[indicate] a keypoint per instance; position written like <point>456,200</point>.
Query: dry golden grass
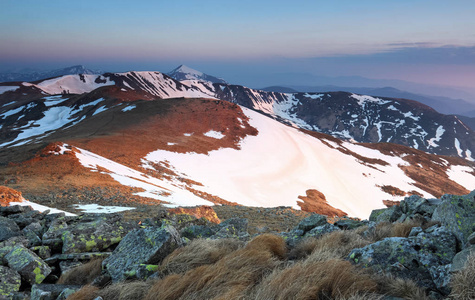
<point>398,287</point>
<point>463,282</point>
<point>340,243</point>
<point>386,229</point>
<point>229,278</point>
<point>87,292</point>
<point>199,252</point>
<point>331,279</point>
<point>83,274</point>
<point>134,290</point>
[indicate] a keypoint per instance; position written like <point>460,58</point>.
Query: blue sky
<point>429,41</point>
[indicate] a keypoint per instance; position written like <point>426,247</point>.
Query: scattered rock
<point>10,281</point>
<point>141,246</point>
<point>8,229</point>
<point>311,222</point>
<point>461,258</point>
<point>31,268</point>
<point>52,291</point>
<point>457,213</point>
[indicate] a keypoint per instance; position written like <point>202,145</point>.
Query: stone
<point>52,237</point>
<point>321,230</point>
<point>461,258</point>
<point>232,228</point>
<point>76,256</point>
<point>10,281</point>
<point>416,204</point>
<point>471,239</point>
<point>8,229</point>
<point>141,246</point>
<point>67,265</point>
<point>390,214</point>
<point>7,246</point>
<point>42,251</point>
<point>91,236</point>
<point>31,268</point>
<point>348,224</point>
<point>457,213</point>
<point>51,291</point>
<point>375,213</point>
<point>311,222</point>
<point>422,258</point>
<point>142,272</point>
<point>197,231</point>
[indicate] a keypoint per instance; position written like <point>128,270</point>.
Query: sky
<point>247,42</point>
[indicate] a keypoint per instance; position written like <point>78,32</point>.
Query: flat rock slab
<point>141,246</point>
<point>10,281</point>
<point>31,267</point>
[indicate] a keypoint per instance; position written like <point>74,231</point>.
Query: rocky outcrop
<point>32,259</point>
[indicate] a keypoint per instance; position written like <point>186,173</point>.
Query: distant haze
<point>247,42</point>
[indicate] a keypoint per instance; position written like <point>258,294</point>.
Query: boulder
<point>52,236</point>
<point>457,213</point>
<point>461,258</point>
<point>196,231</point>
<point>348,224</point>
<point>390,214</point>
<point>417,205</point>
<point>141,246</point>
<point>8,229</point>
<point>10,281</point>
<point>311,222</point>
<point>471,239</point>
<point>91,236</point>
<point>375,213</point>
<point>31,268</point>
<point>321,230</point>
<point>33,232</point>
<point>422,258</point>
<point>8,245</point>
<point>52,291</point>
<point>231,228</point>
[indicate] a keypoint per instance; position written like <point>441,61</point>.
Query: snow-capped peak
<point>187,70</point>
<point>186,73</point>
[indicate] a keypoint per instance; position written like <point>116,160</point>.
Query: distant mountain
<point>186,73</point>
<point>135,134</point>
<point>35,75</point>
<point>470,122</point>
<point>348,116</point>
<point>279,89</point>
<point>444,105</point>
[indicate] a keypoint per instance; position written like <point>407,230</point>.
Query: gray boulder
<point>311,222</point>
<point>471,239</point>
<point>31,268</point>
<point>457,213</point>
<point>348,224</point>
<point>390,214</point>
<point>423,258</point>
<point>8,229</point>
<point>52,236</point>
<point>10,281</point>
<point>141,246</point>
<point>461,258</point>
<point>321,230</point>
<point>51,291</point>
<point>231,228</point>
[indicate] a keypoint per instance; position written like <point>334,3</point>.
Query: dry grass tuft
<point>87,292</point>
<point>199,252</point>
<point>83,274</point>
<point>337,244</point>
<point>304,248</point>
<point>331,279</point>
<point>402,288</point>
<point>462,282</point>
<point>133,290</point>
<point>229,278</point>
<point>269,242</point>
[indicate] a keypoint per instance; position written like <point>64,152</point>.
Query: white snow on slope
<point>41,208</point>
<point>214,134</point>
<point>72,84</point>
<point>53,100</point>
<point>4,89</point>
<point>281,163</point>
<point>96,208</point>
<point>461,175</point>
<point>438,135</point>
<point>127,108</point>
<point>153,187</point>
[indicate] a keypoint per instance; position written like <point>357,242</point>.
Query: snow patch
<point>214,134</point>
<point>130,107</point>
<point>4,89</point>
<point>41,208</point>
<point>438,135</point>
<point>457,146</point>
<point>96,208</point>
<point>461,175</point>
<point>53,100</point>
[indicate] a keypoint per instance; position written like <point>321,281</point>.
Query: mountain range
<point>38,75</point>
<point>156,139</point>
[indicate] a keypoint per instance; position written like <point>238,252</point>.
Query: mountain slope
<point>344,115</point>
<point>183,72</point>
<point>198,151</point>
<point>34,76</point>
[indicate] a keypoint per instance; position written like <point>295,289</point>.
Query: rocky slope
<point>423,243</point>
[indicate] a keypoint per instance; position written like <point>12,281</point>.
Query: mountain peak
<point>183,72</point>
